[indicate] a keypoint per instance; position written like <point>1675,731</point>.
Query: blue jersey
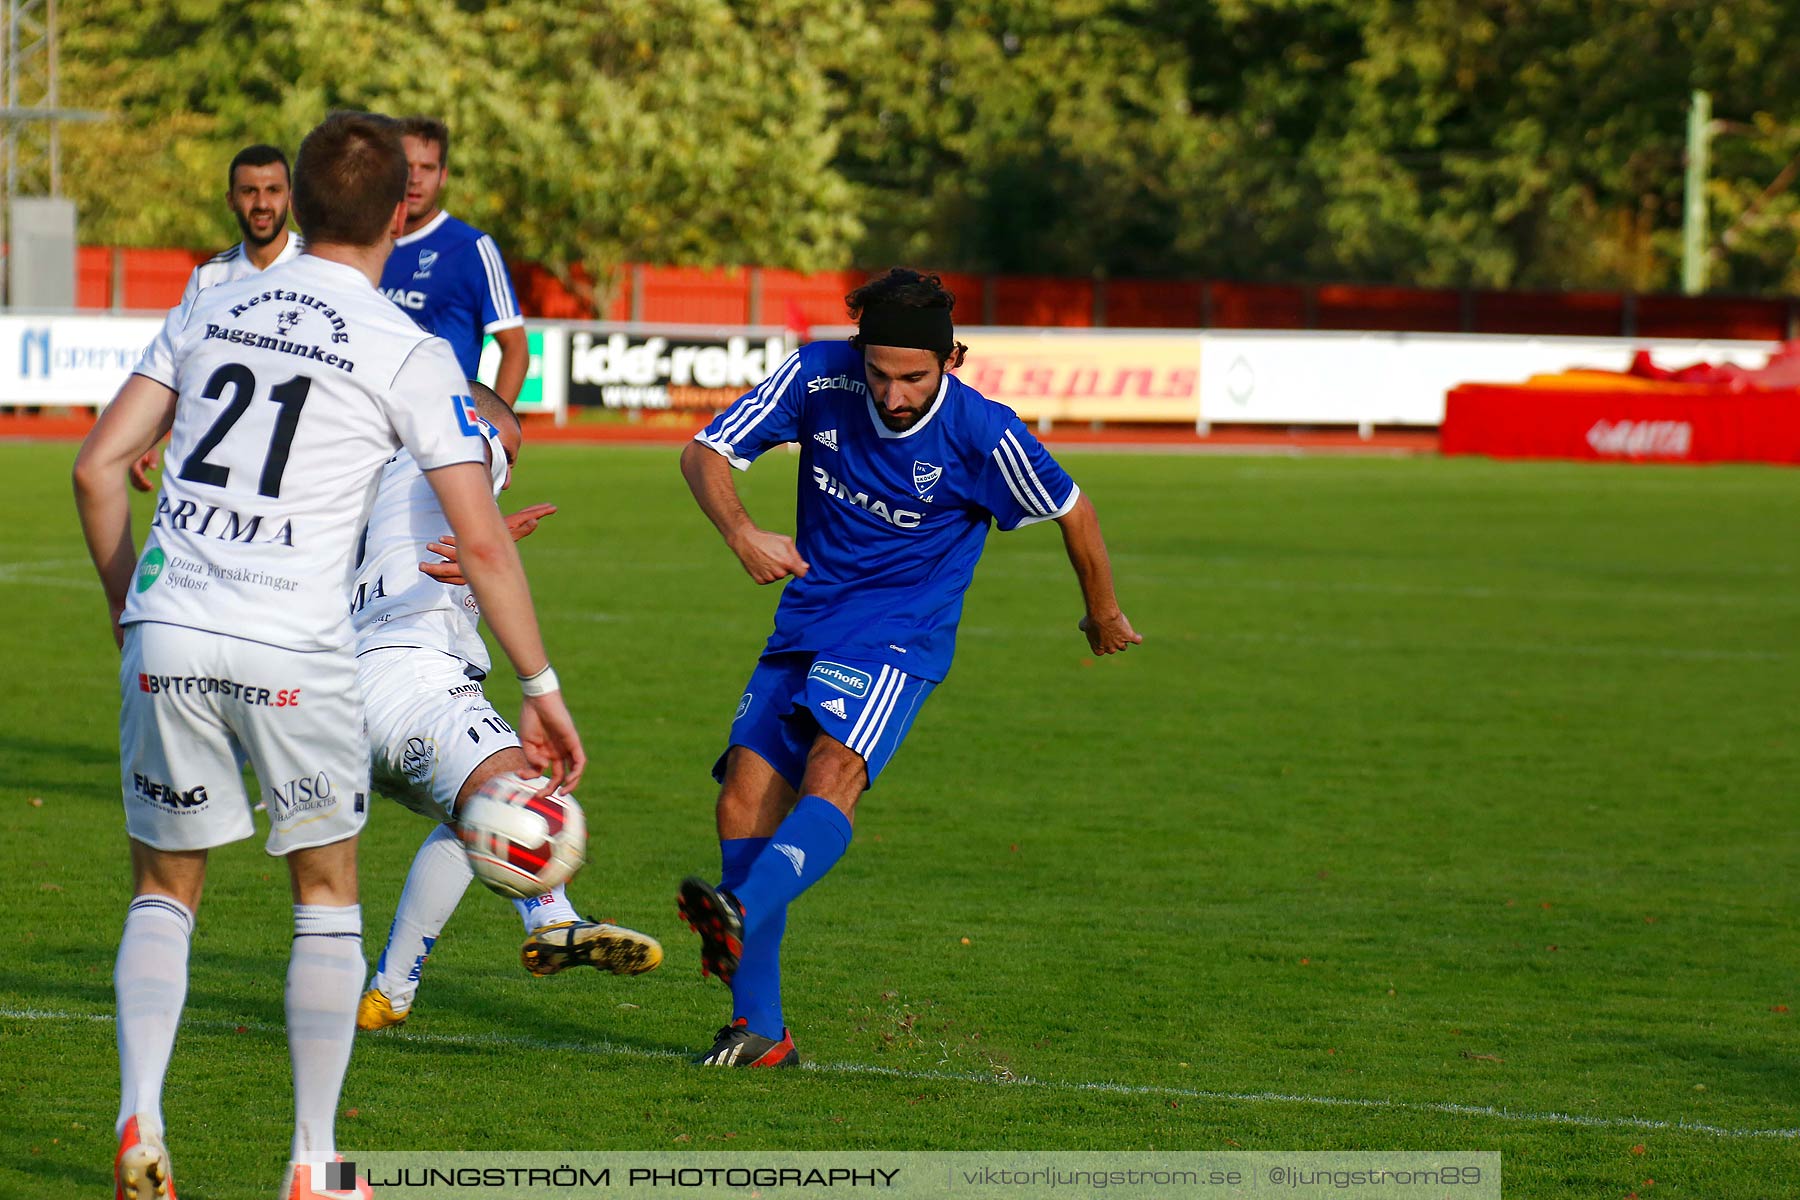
<point>890,524</point>
<point>449,277</point>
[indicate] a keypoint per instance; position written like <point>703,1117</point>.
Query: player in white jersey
<point>436,739</point>
<point>286,394</point>
<point>256,190</point>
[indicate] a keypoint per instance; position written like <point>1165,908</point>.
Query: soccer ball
<point>520,846</point>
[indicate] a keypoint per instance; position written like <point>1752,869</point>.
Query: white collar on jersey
<point>290,249</point>
<point>936,407</point>
<point>424,231</point>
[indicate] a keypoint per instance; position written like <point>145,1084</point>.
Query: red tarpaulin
<point>1672,423</point>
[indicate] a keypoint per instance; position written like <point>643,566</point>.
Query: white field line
<point>29,573</point>
<point>1412,649</point>
<point>1225,583</point>
<point>614,1049</point>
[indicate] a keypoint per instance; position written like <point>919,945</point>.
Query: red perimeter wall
<point>116,277</point>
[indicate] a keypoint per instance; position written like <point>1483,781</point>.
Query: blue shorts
<point>792,698</point>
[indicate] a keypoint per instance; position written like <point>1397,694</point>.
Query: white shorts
<point>194,706</point>
<point>429,724</point>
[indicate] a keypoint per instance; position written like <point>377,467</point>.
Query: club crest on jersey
<point>426,259</point>
<point>925,477</point>
<point>284,324</point>
<point>845,679</point>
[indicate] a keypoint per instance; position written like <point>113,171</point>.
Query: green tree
<point>682,131</point>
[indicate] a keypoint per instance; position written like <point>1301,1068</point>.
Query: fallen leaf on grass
<point>1780,1008</point>
<point>1638,1149</point>
<point>49,887</point>
<point>36,802</point>
<point>1481,1057</point>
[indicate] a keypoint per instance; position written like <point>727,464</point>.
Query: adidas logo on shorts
<point>835,707</point>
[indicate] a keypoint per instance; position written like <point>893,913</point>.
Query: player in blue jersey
<point>903,467</point>
<point>448,275</point>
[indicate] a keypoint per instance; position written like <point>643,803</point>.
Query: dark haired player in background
<point>448,275</point>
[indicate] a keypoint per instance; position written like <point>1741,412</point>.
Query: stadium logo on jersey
<point>847,680</point>
<point>426,259</point>
<point>841,383</point>
<point>826,438</point>
<point>151,569</point>
<point>743,705</point>
<point>835,706</point>
<point>416,763</point>
<point>925,477</point>
<point>899,518</point>
<point>285,323</point>
<point>794,855</point>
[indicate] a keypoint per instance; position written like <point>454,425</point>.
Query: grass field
<point>1447,805</point>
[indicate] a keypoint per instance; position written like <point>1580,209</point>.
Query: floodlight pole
<point>1693,219</point>
<point>30,137</point>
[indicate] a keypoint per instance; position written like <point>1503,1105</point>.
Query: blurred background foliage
<point>1488,143</point>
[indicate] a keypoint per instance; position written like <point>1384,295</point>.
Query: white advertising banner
<point>1365,379</point>
<point>69,360</point>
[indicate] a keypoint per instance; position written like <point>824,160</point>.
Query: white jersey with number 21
<point>295,386</point>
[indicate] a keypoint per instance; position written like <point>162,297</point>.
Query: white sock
<point>150,978</point>
<point>435,884</point>
<point>325,979</point>
<point>552,908</point>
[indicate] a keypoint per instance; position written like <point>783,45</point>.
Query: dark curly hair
<point>903,287</point>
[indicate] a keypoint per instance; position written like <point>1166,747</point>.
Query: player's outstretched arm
<point>137,418</point>
<point>1108,631</point>
<point>485,550</point>
<point>521,525</point>
<point>765,556</point>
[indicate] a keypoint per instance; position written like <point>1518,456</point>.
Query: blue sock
<point>756,987</point>
<point>805,846</point>
<point>735,857</point>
